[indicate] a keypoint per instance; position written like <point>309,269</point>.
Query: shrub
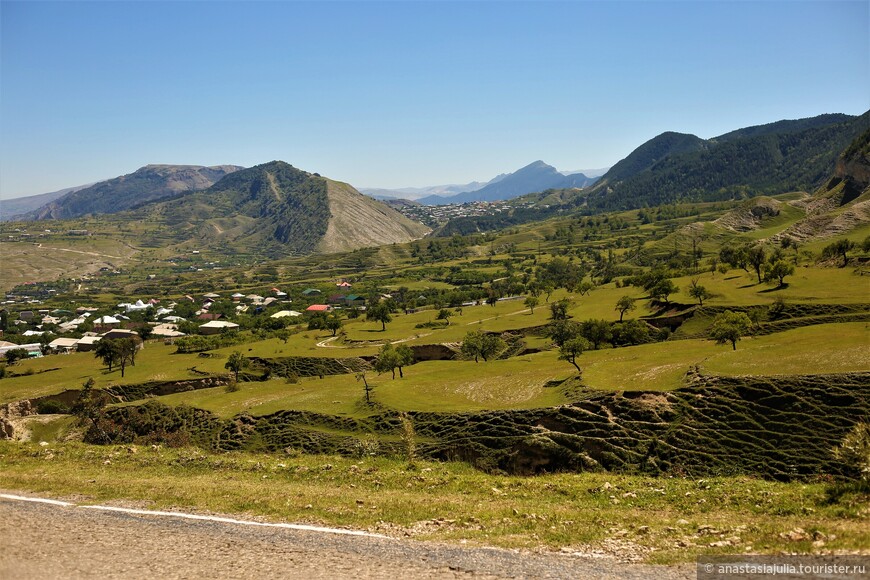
<point>52,408</point>
<point>854,450</point>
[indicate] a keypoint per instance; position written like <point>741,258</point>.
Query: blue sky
<point>404,93</point>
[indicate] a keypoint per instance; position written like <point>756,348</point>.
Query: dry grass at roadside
<point>632,517</point>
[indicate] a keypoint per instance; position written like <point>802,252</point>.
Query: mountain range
<point>791,155</point>
<point>277,208</point>
<point>11,209</point>
<point>781,157</point>
<point>144,185</point>
<point>534,177</point>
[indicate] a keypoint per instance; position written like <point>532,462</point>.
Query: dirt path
<point>43,541</point>
<point>494,317</point>
<point>325,343</point>
<point>97,254</point>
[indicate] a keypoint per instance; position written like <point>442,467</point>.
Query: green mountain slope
<point>842,204</point>
<point>770,159</point>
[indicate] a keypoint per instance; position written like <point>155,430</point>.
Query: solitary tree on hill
<point>109,352</point>
<point>778,271</point>
<point>839,248</point>
<point>236,363</point>
<point>623,305</point>
<point>573,348</point>
<point>405,357</point>
<point>559,309</point>
<point>444,314</point>
<point>361,376</point>
<point>332,323</point>
<point>381,313</point>
<point>756,257</point>
<point>531,301</point>
<point>730,327</point>
<point>698,292</point>
<point>662,289</point>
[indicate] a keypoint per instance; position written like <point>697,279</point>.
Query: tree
<point>531,301</point>
<point>15,355</point>
<point>236,363</point>
<point>756,256</point>
<point>387,360</point>
<point>730,327</point>
<point>596,332</point>
<point>406,357</point>
<point>854,450</point>
<point>625,304</point>
<point>698,292</point>
<point>109,351</point>
<point>585,287</point>
<point>559,309</point>
<point>757,316</point>
<point>283,335</point>
<point>547,289</point>
<point>444,314</point>
<point>144,333</point>
<point>361,376</point>
<point>735,257</point>
<point>127,348</point>
<point>630,332</point>
<point>778,271</point>
<point>839,248</point>
<point>332,323</point>
<point>572,349</point>
<point>89,407</point>
<point>663,289</point>
<point>479,344</point>
<point>561,331</point>
<point>381,313</point>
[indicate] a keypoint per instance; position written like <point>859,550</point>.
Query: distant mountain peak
<point>532,178</point>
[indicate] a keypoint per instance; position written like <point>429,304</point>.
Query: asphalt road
<point>43,541</point>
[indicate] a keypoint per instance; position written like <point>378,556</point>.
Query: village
<point>44,331</point>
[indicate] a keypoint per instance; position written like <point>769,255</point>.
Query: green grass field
<point>811,285</point>
<point>521,382</point>
<point>56,373</point>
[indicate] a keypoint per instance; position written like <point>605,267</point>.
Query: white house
<point>216,326</point>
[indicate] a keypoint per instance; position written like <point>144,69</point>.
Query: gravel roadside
<point>48,541</point>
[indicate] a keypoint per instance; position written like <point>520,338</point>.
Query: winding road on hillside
<point>65,540</point>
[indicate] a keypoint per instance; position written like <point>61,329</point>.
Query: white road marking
<point>34,499</point>
<point>197,517</point>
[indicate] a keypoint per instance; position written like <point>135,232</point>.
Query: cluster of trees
<point>199,343</point>
<point>841,248</point>
<point>392,357</point>
<point>478,344</point>
<point>439,249</point>
<point>656,283</point>
<point>325,321</point>
<point>768,268</point>
<point>117,352</point>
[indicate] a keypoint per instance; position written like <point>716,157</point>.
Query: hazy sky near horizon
<point>394,94</point>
